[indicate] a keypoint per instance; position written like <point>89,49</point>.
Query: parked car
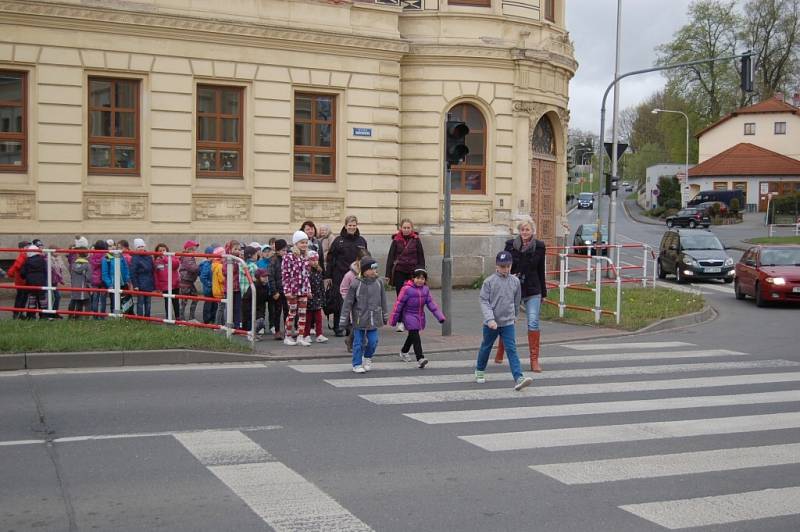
<point>585,236</point>
<point>693,254</point>
<point>769,273</point>
<point>690,217</point>
<point>708,205</point>
<point>586,200</point>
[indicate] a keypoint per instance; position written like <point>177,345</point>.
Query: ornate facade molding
<point>212,208</point>
<point>530,108</point>
<point>114,206</point>
<point>17,205</point>
<point>322,209</point>
<point>142,22</point>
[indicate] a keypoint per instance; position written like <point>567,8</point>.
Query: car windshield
<point>585,196</point>
<point>700,242</point>
<point>589,230</point>
<point>780,257</point>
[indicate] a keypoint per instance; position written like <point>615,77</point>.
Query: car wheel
<point>669,223</point>
<point>737,290</point>
<point>760,301</point>
<point>705,226</point>
<point>692,224</point>
<point>661,273</point>
<point>728,280</point>
<point>678,277</point>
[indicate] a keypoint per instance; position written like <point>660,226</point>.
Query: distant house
<point>648,199</point>
<point>755,149</point>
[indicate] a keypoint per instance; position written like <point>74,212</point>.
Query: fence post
<point>619,297</point>
<point>117,283</point>
<point>644,266</point>
<point>252,335</point>
<point>229,297</point>
<point>49,255</point>
<point>562,281</point>
<point>598,284</point>
<point>588,265</point>
<point>170,309</point>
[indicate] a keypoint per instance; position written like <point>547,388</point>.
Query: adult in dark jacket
<point>34,273</point>
<point>405,256</point>
<point>343,252</point>
<point>529,265</point>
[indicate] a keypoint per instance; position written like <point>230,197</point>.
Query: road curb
<point>105,359</point>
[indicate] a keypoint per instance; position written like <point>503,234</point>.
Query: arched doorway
<point>543,181</point>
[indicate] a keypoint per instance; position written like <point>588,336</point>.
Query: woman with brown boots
<point>528,254</point>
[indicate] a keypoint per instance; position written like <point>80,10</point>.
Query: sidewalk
<point>467,333</point>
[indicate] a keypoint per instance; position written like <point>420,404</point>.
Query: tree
<point>710,88</point>
<point>669,191</point>
<point>772,30</point>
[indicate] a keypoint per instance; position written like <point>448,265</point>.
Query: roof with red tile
<point>746,159</point>
<point>772,105</point>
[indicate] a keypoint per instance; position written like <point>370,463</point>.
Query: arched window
<point>469,177</point>
<point>544,141</point>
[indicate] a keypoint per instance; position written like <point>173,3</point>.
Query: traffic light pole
<point>612,235</point>
<point>447,259</point>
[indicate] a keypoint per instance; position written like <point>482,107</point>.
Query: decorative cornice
<point>187,27</point>
<point>531,108</point>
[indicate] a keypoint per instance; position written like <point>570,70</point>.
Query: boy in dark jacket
<point>34,273</point>
<point>142,269</point>
<point>280,306</point>
<point>366,300</point>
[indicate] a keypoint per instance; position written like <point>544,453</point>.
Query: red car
<point>769,273</point>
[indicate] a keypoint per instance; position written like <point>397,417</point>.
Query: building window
<point>478,3</point>
<point>750,128</point>
<point>780,128</point>
<point>741,185</point>
<point>113,126</point>
<point>314,137</point>
<point>720,185</point>
<point>13,113</point>
<point>219,131</point>
<point>469,177</point>
<point>550,10</point>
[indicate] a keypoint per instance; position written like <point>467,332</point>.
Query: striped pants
<point>297,308</point>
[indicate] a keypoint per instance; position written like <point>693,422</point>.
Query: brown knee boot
<point>501,350</point>
<point>533,345</point>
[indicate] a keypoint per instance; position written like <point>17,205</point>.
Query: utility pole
<point>612,209</point>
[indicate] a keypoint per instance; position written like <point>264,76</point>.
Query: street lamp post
<point>685,185</point>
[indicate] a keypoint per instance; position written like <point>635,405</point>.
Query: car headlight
<point>689,261</point>
<point>587,242</point>
<point>776,280</point>
<point>729,262</point>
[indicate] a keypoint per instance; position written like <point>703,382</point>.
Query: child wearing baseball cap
<point>501,295</point>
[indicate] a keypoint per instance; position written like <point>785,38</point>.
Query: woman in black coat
<point>529,266</point>
<point>343,252</point>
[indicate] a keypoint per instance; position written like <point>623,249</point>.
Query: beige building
<point>169,118</point>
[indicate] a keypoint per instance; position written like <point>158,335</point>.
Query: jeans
<point>237,310</point>
<point>209,311</point>
<point>143,306</point>
<point>509,339</point>
<point>360,349</point>
<point>532,307</point>
<point>56,299</point>
<point>99,303</point>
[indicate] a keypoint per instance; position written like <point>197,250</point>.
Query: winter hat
<point>313,254</point>
<point>421,272</point>
<point>265,247</point>
<point>35,251</point>
<point>110,242</point>
<point>37,242</point>
<point>280,244</point>
<point>190,244</point>
<point>219,250</point>
<point>503,258</point>
<point>262,272</point>
<point>138,243</point>
<point>210,249</point>
<point>81,242</point>
<point>299,236</point>
<point>368,263</point>
<point>101,244</point>
<point>254,245</point>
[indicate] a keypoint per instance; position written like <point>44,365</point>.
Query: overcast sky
<point>592,28</point>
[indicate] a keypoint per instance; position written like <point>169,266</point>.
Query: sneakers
<point>405,357</point>
<point>304,341</point>
<point>422,362</point>
<point>321,339</point>
<point>367,364</point>
<point>400,327</point>
<point>313,331</point>
<point>359,369</point>
<point>272,330</point>
<point>480,376</point>
<point>289,341</point>
<point>523,382</point>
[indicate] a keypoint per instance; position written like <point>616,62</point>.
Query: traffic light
<point>456,150</point>
<point>746,74</point>
<point>612,183</point>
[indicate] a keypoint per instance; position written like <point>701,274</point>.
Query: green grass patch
<point>640,306</point>
<point>23,336</point>
<point>775,240</point>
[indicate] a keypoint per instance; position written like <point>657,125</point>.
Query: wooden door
<point>543,188</point>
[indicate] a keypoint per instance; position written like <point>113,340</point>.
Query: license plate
<point>713,270</point>
<point>796,289</point>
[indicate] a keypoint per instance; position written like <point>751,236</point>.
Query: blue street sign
<point>362,131</point>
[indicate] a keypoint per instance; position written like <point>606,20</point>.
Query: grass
<point>775,240</point>
<point>640,306</point>
<point>23,336</point>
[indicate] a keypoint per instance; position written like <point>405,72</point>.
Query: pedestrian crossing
<point>764,392</point>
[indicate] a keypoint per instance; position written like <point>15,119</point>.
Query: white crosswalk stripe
<point>776,412</point>
<point>356,382</point>
<point>567,359</point>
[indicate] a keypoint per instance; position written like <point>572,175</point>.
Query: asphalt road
<point>693,429</point>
